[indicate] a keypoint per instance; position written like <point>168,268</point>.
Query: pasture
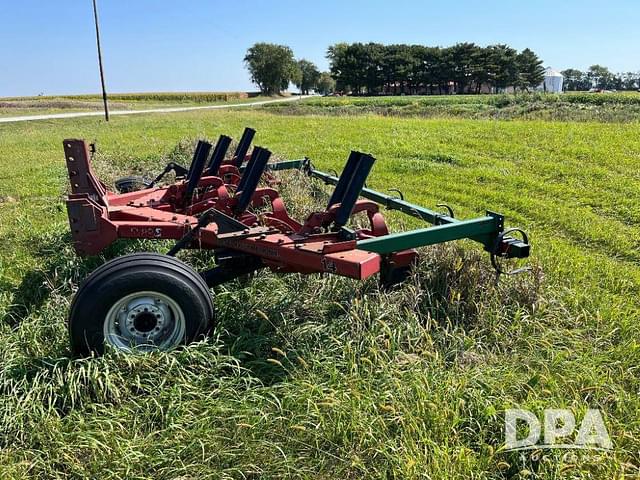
<point>323,377</point>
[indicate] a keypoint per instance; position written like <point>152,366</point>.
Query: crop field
<point>324,377</point>
<point>16,106</point>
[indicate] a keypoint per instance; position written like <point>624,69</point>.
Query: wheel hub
<point>145,319</point>
<point>145,322</point>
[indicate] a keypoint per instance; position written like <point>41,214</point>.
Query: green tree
<point>346,66</point>
<point>396,67</point>
<point>462,65</point>
<point>600,76</point>
<point>359,64</point>
<point>373,56</point>
<point>326,84</point>
<point>445,72</point>
<point>307,76</point>
<point>575,80</point>
<point>530,70</point>
<point>373,68</point>
<point>617,81</point>
<point>427,65</point>
<point>480,67</point>
<point>630,80</point>
<point>336,54</point>
<point>271,66</point>
<point>503,68</point>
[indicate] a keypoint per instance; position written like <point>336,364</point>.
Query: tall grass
<point>302,376</point>
<point>325,377</point>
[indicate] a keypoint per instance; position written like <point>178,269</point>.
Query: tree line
<point>373,68</point>
<point>601,77</point>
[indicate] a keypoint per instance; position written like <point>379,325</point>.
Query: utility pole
<point>104,90</point>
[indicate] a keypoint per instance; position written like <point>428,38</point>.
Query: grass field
<point>323,377</point>
<point>16,106</point>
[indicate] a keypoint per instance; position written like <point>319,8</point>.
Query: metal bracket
<point>509,247</point>
<point>346,233</point>
<point>179,170</point>
<point>498,218</point>
<point>226,224</point>
<point>396,190</point>
<point>306,166</point>
<point>205,219</point>
<point>231,265</point>
<point>448,208</point>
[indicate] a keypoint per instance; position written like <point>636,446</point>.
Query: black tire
<point>173,292</point>
<point>131,183</point>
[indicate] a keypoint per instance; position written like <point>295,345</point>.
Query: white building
<point>552,82</point>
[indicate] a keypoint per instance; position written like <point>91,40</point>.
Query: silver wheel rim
<point>144,321</point>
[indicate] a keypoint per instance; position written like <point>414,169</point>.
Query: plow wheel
<point>141,302</point>
<point>131,183</point>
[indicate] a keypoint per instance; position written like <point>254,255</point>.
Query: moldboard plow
<point>148,301</point>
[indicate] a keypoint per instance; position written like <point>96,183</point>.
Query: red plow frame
<point>217,218</point>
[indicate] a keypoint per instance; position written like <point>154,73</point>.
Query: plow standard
<point>153,301</point>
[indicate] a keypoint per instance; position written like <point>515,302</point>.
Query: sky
<point>48,46</point>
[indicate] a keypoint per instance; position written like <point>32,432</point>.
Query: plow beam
<point>430,236</point>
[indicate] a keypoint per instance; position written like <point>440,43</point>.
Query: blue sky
<point>163,45</point>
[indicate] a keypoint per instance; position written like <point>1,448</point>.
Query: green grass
<point>323,377</point>
<point>16,106</point>
<point>609,107</point>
